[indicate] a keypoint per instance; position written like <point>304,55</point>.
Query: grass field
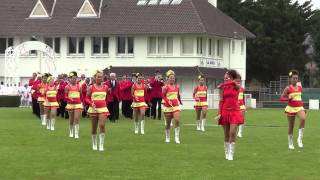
<point>28,151</point>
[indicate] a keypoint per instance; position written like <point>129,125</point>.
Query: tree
<point>280,27</point>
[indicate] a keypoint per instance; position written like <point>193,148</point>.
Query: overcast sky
<point>316,3</point>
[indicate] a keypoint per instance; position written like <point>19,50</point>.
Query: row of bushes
<point>9,101</point>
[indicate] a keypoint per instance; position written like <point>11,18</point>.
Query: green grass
<point>28,151</point>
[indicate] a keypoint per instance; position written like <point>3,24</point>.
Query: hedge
<point>9,101</point>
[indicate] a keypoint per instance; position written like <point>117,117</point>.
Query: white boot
<point>300,144</point>
<point>101,141</point>
<point>231,151</point>
<point>136,127</point>
<point>48,123</point>
<point>76,131</point>
<point>71,129</point>
<point>240,131</point>
<point>226,149</point>
<point>44,119</point>
<point>290,141</point>
<point>142,126</point>
<point>167,131</point>
<point>177,135</point>
<point>203,124</point>
<point>94,142</point>
<point>53,121</point>
<point>198,125</point>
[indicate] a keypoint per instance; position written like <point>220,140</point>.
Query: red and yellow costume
<point>42,90</point>
<point>139,96</point>
<point>98,98</point>
<point>200,96</point>
<point>74,98</point>
<point>171,99</point>
<point>241,99</point>
<point>229,106</point>
<point>295,103</point>
<point>51,97</point>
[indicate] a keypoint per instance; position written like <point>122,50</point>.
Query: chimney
<point>213,2</point>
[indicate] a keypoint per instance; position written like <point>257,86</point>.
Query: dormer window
<point>39,11</point>
<point>86,10</point>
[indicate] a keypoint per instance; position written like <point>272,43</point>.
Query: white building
<point>129,35</point>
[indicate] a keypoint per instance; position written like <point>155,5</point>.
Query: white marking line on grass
<point>250,126</point>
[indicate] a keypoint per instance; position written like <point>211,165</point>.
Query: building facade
<point>125,36</point>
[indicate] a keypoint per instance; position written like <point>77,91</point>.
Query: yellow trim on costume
<point>98,96</point>
<point>138,104</point>
<point>242,107</point>
<point>139,93</point>
<point>74,106</point>
<point>40,99</point>
<point>74,94</point>
<point>296,96</point>
<point>201,103</point>
<point>97,110</point>
<point>290,109</point>
<point>171,109</point>
<point>42,90</point>
<point>51,104</point>
<point>172,95</point>
<point>51,93</point>
<point>240,97</point>
<point>201,94</point>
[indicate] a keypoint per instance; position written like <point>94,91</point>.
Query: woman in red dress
<point>171,109</point>
<point>293,94</point>
<point>41,89</point>
<point>201,104</point>
<point>242,105</point>
<point>230,115</point>
<point>98,111</point>
<point>139,104</point>
<point>74,104</point>
<point>51,104</point>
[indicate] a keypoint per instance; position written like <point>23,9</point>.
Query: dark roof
<point>95,4</point>
<point>119,17</point>
<point>48,5</point>
<point>180,71</point>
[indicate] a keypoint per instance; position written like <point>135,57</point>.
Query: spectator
<point>113,97</point>
<point>156,85</point>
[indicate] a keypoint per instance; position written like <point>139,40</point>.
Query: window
<point>201,45</point>
<point>160,45</point>
<point>220,48</point>
<point>76,45</point>
<point>125,45</point>
<point>165,2</point>
<point>86,10</point>
<point>100,45</point>
<point>211,47</point>
<point>5,43</point>
<point>142,2</point>
<point>152,45</point>
<point>187,45</point>
<point>54,43</point>
<point>33,52</point>
<point>242,47</point>
<point>233,46</point>
<point>39,11</point>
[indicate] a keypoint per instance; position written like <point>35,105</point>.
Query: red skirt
<point>231,117</point>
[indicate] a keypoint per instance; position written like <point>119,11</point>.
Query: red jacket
<point>125,90</point>
<point>84,89</point>
<point>34,85</point>
<point>62,87</point>
<point>156,88</point>
<point>114,94</point>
